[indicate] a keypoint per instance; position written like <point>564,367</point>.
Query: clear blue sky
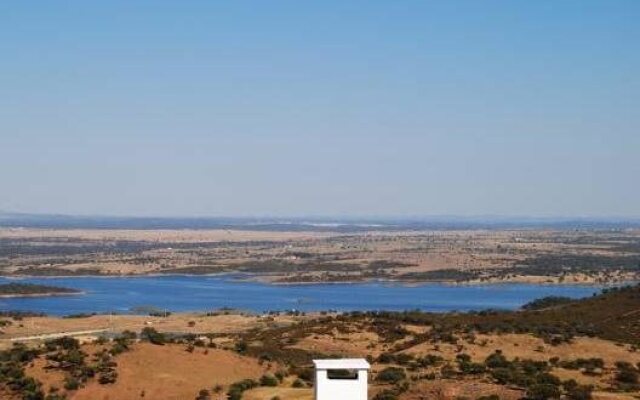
<point>326,107</point>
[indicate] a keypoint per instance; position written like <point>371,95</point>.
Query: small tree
<point>153,336</point>
<point>543,391</point>
<point>268,380</point>
<point>391,375</point>
<point>580,392</point>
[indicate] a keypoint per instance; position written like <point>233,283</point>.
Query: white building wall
<point>341,389</point>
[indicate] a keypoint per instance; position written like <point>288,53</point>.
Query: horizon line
<point>321,216</point>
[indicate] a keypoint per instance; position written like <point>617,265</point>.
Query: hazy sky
<point>326,107</point>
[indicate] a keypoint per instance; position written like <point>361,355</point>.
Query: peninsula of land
<point>10,290</point>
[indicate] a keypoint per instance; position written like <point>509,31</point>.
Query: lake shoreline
<point>197,293</point>
<point>46,294</point>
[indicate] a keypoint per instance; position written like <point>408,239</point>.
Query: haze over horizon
<point>315,217</point>
<point>352,108</point>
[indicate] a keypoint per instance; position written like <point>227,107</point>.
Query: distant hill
<point>614,315</point>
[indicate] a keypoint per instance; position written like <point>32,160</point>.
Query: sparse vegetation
<point>153,336</point>
<point>30,289</point>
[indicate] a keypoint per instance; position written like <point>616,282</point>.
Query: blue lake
<point>202,293</point>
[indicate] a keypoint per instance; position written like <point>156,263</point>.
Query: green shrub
<point>429,360</point>
<point>386,394</point>
<point>391,375</point>
<point>108,377</point>
<point>496,360</point>
<point>238,388</point>
<point>627,376</point>
<point>268,380</point>
<point>71,383</point>
<point>280,375</point>
<point>153,336</point>
<point>543,391</point>
<point>580,392</point>
<point>241,347</point>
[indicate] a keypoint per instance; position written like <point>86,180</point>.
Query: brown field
<point>161,372</point>
<point>347,344</point>
<point>171,373</point>
<point>453,389</point>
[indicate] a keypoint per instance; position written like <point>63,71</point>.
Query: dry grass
<point>531,347</point>
<point>170,373</point>
<point>48,377</point>
<point>178,323</point>
<point>357,344</point>
<point>265,393</point>
<point>453,389</point>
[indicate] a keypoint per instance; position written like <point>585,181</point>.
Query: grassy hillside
<point>613,315</point>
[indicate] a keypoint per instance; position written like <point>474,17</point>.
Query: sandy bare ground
<point>613,396</point>
<point>48,336</point>
<point>284,393</point>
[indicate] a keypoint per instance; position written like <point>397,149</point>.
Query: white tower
<point>341,379</point>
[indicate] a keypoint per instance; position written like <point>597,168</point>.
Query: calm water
<point>200,293</point>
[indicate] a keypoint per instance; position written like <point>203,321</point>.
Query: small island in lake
<point>33,290</point>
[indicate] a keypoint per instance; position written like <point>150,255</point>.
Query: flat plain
<point>500,255</point>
